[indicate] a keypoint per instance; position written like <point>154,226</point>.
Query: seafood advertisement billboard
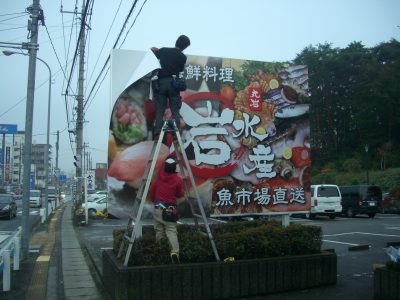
<point>244,125</point>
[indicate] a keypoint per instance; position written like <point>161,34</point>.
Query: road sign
<point>90,177</point>
<point>62,179</point>
<point>8,128</point>
<point>32,181</point>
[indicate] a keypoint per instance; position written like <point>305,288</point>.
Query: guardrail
<point>11,248</point>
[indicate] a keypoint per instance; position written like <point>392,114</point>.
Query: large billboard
<point>244,124</point>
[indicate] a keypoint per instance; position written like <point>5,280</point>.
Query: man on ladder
<point>164,191</point>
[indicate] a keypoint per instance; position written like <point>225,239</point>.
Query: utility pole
<point>36,14</point>
<point>57,147</point>
<point>79,98</point>
<point>57,170</point>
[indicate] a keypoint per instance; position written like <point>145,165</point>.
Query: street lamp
<point>46,157</point>
<point>366,151</point>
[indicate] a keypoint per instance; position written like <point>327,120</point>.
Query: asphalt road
<point>12,225</point>
<point>355,267</point>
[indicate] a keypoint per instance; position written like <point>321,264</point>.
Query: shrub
<point>241,240</point>
<point>351,165</point>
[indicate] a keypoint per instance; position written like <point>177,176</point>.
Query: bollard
<point>42,215</point>
<point>6,271</point>
<point>17,251</point>
<point>285,220</point>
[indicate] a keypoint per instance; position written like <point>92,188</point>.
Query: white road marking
<point>32,213</point>
<point>336,242</point>
<point>379,234</point>
<point>339,234</point>
<point>109,225</point>
<point>393,228</point>
<point>365,233</point>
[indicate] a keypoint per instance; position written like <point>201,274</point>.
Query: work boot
<point>175,258</point>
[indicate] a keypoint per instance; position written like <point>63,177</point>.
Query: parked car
<point>99,204</point>
<point>8,207</point>
<point>52,193</point>
<point>35,198</point>
<point>97,195</point>
<point>361,199</point>
<point>391,202</point>
<point>325,201</point>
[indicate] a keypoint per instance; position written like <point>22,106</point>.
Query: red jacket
<point>167,188</point>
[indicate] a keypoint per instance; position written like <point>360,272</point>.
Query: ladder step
<point>129,239</point>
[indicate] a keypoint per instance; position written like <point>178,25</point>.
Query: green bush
<point>146,252</point>
<point>351,165</point>
<point>241,240</point>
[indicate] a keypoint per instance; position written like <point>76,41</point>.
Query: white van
<point>35,198</point>
<point>326,200</point>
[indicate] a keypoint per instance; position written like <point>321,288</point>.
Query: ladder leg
<point>182,171</point>
<point>143,191</point>
<point>147,169</point>
<point>210,236</point>
<point>128,231</point>
<point>128,253</point>
<point>137,227</point>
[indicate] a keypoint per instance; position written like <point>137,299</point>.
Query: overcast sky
<point>263,30</point>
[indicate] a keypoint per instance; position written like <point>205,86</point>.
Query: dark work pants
<point>166,93</point>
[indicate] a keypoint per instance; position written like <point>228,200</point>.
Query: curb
<point>359,247</point>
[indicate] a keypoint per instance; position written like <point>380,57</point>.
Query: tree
<point>355,99</point>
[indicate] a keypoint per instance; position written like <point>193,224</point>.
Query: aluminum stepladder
<point>131,234</point>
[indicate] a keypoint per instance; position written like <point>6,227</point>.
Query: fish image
<point>291,111</point>
<point>130,164</point>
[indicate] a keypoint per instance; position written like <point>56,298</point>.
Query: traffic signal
<point>77,161</point>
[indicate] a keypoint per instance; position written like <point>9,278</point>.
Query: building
<point>38,170</point>
<point>101,176</point>
<point>17,159</point>
<point>38,164</point>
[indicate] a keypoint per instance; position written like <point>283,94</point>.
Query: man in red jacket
<point>165,191</point>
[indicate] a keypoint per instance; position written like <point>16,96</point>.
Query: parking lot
<point>359,243</point>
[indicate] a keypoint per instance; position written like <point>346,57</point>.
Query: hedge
<point>241,240</point>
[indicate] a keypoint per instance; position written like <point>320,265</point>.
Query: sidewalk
<point>77,278</point>
<point>57,267</point>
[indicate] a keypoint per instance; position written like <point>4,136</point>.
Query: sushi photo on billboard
<point>245,128</point>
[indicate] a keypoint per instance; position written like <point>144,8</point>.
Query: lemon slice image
<point>273,84</point>
<point>287,153</point>
<point>260,130</point>
<point>237,115</point>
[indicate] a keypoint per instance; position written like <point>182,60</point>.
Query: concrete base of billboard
<point>218,280</point>
<point>386,284</point>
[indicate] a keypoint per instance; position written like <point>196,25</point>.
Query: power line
<point>61,68</point>
<point>24,98</point>
<point>12,14</point>
<point>87,44</point>
<point>105,40</point>
<point>24,14</point>
<point>66,53</point>
<point>133,23</point>
<point>8,29</point>
<point>55,52</point>
<point>115,44</point>
<point>78,42</point>
<point>98,88</point>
